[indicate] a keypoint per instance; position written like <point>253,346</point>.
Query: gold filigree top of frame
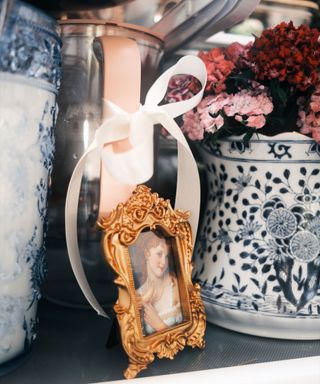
<point>143,209</point>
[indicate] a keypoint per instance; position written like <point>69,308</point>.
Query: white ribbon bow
<point>135,166</point>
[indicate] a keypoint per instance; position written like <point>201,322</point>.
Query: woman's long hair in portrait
<point>144,242</point>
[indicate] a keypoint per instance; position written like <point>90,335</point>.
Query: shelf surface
<point>71,349</point>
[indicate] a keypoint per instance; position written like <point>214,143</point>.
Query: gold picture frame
<point>164,312</point>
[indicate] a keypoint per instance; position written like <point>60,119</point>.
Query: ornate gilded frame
<point>146,210</point>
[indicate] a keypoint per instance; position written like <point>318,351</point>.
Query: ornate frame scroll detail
<point>146,210</point>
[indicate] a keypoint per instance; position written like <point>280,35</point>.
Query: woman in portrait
<point>158,291</point>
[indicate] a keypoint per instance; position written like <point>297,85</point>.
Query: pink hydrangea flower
<point>315,101</point>
<point>191,126</point>
<point>208,121</point>
<point>217,122</point>
<point>196,123</point>
<point>218,102</point>
<point>247,107</point>
<point>316,134</point>
<point>248,103</point>
<point>309,114</point>
<point>256,121</point>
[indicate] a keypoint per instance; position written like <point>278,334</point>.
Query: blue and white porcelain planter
<point>29,78</point>
<point>257,257</point>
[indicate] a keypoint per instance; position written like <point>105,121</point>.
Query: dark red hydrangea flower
<point>288,54</point>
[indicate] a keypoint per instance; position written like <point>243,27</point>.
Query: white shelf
<point>293,371</point>
<point>70,349</point>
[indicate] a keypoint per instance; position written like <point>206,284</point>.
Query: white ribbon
<point>135,166</point>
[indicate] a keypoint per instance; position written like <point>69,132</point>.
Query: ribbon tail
<point>188,187</point>
<point>188,180</point>
<point>71,213</point>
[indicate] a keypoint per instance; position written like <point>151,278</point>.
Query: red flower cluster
<point>218,69</point>
<point>288,54</point>
<point>271,85</point>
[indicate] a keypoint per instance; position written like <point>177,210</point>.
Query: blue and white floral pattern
<point>25,165</point>
<point>281,223</point>
<point>29,45</point>
<point>11,318</point>
<point>258,248</point>
<point>30,72</point>
<point>304,246</point>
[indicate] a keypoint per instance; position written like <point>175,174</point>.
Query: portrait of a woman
<point>156,282</point>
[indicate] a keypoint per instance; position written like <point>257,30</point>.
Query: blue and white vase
<point>29,79</point>
<point>257,257</point>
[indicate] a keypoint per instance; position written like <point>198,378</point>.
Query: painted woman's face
<point>157,259</point>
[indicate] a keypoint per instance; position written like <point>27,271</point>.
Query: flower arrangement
<point>269,86</point>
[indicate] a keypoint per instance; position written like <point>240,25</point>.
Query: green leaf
<point>279,95</point>
<point>238,80</point>
<point>282,96</point>
<point>248,136</point>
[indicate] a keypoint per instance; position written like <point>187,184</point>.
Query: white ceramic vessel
<point>257,256</point>
<point>25,160</point>
<point>29,78</point>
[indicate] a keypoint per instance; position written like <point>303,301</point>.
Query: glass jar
<point>80,113</point>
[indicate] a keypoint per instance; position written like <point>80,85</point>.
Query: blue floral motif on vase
<point>258,248</point>
<point>24,171</point>
<point>29,79</point>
